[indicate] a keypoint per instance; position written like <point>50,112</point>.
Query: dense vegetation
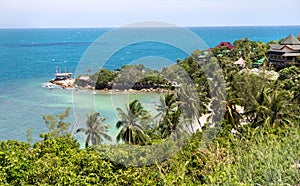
<point>257,142</point>
<point>144,78</point>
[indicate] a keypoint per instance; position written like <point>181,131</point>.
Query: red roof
<point>228,45</point>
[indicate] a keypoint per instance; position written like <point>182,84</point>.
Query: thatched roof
<point>241,61</point>
<point>290,40</point>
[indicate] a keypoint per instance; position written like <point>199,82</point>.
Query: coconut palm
<point>169,114</point>
<point>232,115</point>
<point>189,105</point>
<point>168,102</point>
<point>171,124</point>
<point>132,132</point>
<point>95,131</point>
<point>272,108</point>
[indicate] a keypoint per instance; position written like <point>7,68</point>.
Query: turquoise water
<point>28,58</point>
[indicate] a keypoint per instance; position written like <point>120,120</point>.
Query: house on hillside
<point>228,45</point>
<point>286,53</point>
<point>240,63</point>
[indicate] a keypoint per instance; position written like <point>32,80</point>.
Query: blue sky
<point>114,13</point>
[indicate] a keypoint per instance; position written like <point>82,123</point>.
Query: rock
<point>88,87</point>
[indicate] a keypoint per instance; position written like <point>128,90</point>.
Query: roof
<point>260,61</point>
<point>241,61</point>
<point>280,46</point>
<point>63,74</point>
<point>226,44</point>
<point>290,54</point>
<point>290,40</point>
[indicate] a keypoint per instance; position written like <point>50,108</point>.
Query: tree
<point>154,81</point>
<point>132,132</point>
<point>58,127</point>
<point>169,114</point>
<point>170,124</point>
<point>189,105</point>
<point>232,115</point>
<point>168,102</point>
<point>96,131</point>
<point>272,108</point>
<point>105,78</point>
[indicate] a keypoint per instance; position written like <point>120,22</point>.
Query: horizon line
<point>112,27</point>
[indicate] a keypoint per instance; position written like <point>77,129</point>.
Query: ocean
<point>29,58</point>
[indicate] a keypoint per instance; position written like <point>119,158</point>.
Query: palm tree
<point>189,105</point>
<point>167,104</point>
<point>171,124</point>
<point>169,114</point>
<point>95,131</point>
<point>132,132</point>
<point>232,115</point>
<point>271,108</point>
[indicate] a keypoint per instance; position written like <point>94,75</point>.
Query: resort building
<point>240,63</point>
<point>286,53</point>
<point>228,45</point>
<point>258,63</point>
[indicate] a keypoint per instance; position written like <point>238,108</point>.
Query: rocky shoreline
<point>67,83</point>
<point>70,83</point>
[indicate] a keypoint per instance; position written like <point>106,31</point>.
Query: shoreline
<point>70,84</point>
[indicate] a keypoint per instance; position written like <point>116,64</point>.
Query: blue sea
<point>29,58</point>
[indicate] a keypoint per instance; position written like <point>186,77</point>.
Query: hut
<point>240,63</point>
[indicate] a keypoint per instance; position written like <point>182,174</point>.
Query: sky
<point>115,13</point>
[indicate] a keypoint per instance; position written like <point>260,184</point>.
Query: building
<point>258,63</point>
<point>240,63</point>
<point>63,76</point>
<point>286,53</point>
<point>228,45</point>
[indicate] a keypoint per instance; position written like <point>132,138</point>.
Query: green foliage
<point>105,78</point>
<point>250,51</point>
<point>95,130</point>
<point>259,156</point>
<point>289,79</point>
<point>132,132</point>
<point>58,127</point>
<point>154,81</point>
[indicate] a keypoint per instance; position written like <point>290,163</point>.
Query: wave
<point>50,85</point>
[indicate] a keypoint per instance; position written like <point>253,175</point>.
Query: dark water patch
<point>48,44</point>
